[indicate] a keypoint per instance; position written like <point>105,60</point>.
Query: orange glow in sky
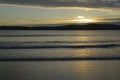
<point>82,19</point>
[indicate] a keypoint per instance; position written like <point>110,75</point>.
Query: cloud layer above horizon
<point>66,3</point>
<point>57,11</point>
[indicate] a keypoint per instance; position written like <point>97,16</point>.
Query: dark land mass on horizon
<point>65,27</point>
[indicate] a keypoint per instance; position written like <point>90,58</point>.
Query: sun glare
<point>82,19</point>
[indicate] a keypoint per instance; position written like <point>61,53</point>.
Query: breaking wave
<point>23,46</point>
<point>94,41</point>
<point>61,59</point>
<point>48,35</point>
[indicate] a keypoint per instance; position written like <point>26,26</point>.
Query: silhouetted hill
<point>66,27</point>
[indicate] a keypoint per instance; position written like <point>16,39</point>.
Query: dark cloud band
<point>66,3</point>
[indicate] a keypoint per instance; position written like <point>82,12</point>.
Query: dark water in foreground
<point>60,55</point>
<point>60,70</point>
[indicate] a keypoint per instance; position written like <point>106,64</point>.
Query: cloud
<point>49,21</point>
<point>66,3</point>
<point>109,19</point>
<point>78,19</point>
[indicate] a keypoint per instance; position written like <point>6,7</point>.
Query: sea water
<point>59,55</point>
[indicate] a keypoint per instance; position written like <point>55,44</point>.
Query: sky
<point>15,12</point>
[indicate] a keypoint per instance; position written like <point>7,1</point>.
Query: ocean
<point>59,54</point>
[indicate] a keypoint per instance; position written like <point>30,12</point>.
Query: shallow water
<point>66,48</point>
<point>60,70</point>
<point>59,44</point>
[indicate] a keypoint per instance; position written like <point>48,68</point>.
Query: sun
<point>82,19</point>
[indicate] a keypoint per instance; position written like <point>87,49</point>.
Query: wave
<point>62,42</point>
<point>61,59</point>
<point>48,35</point>
<point>59,46</point>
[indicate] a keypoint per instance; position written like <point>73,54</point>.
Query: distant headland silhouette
<point>90,26</point>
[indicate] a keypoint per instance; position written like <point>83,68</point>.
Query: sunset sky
<point>14,12</point>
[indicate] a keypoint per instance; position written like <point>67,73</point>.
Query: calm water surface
<point>60,44</point>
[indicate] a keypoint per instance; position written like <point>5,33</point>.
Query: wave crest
<point>58,46</point>
<point>60,59</point>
